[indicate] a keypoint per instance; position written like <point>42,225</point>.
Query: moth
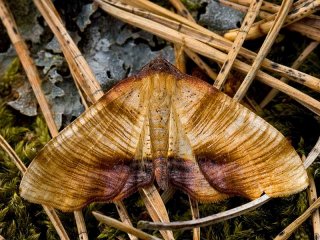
<point>166,127</point>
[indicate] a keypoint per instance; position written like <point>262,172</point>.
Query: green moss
<point>191,5</point>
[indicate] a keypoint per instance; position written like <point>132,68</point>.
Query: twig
<point>124,216</point>
<point>195,215</point>
<point>236,46</point>
<point>183,11</point>
<point>201,64</point>
<point>81,225</point>
<point>265,48</point>
<point>156,208</point>
<point>313,154</point>
<point>203,49</point>
<point>27,63</point>
<point>180,58</point>
<point>78,66</point>
<point>123,227</point>
<point>22,168</point>
<point>301,10</point>
<point>12,154</point>
<point>312,196</point>
<point>297,63</point>
<point>286,233</point>
<point>300,26</point>
<point>184,225</point>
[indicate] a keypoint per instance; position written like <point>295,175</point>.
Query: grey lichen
<point>115,50</point>
<point>220,18</point>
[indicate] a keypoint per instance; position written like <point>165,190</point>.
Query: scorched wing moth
<point>169,127</point>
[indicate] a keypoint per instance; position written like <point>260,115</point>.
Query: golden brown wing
<point>236,150</point>
<point>93,159</point>
<point>183,170</point>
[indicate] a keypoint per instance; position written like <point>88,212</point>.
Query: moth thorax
<point>161,172</point>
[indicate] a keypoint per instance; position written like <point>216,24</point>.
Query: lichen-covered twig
<point>205,221</point>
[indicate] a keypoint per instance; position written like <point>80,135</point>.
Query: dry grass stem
<point>156,208</point>
<point>312,155</point>
<point>297,63</point>
<point>298,12</point>
<point>152,7</point>
<point>81,225</point>
<point>12,154</point>
<point>218,42</point>
<point>183,11</point>
<point>124,216</point>
<point>167,195</point>
<point>306,30</point>
<point>78,65</point>
<point>306,26</point>
<point>22,168</point>
<point>265,48</point>
<point>27,63</point>
<point>205,50</point>
<point>286,233</point>
<point>180,58</point>
<point>195,215</point>
<point>123,227</point>
<point>201,64</point>
<point>237,44</point>
<point>312,196</point>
